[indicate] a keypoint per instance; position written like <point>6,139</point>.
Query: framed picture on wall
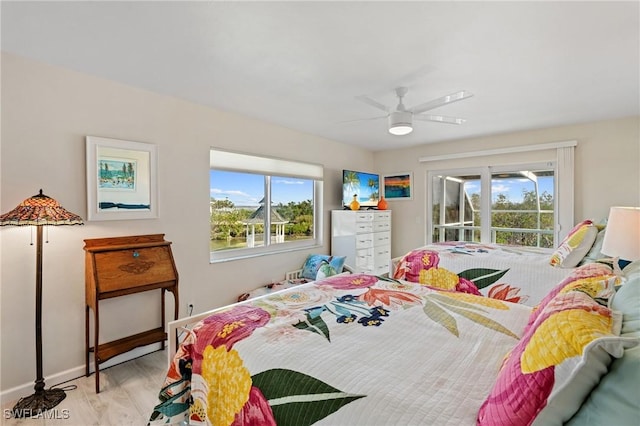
<point>121,179</point>
<point>398,186</point>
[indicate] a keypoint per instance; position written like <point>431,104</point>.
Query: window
<point>522,207</point>
<point>518,205</point>
<point>261,205</point>
<point>529,204</point>
<point>456,216</point>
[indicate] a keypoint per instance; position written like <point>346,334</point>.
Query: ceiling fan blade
<point>367,100</point>
<point>448,99</point>
<point>364,119</point>
<point>439,118</point>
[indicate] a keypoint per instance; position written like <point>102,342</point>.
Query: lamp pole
<point>42,399</point>
<point>39,387</point>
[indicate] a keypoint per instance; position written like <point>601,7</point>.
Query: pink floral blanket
<point>348,350</point>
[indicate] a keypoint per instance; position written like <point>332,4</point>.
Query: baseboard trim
<point>26,389</point>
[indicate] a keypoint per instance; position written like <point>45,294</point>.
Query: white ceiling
<point>301,64</point>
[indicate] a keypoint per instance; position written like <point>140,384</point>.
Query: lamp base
<point>33,405</point>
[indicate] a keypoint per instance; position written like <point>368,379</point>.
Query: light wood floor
<point>128,393</point>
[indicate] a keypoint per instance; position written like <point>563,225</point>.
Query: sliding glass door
<point>507,205</point>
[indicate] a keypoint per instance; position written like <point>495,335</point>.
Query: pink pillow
<point>559,359</point>
<point>595,279</point>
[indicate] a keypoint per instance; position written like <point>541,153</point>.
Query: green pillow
<point>616,399</point>
<point>627,300</point>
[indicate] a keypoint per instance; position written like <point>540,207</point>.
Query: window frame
<point>561,152</point>
<point>486,173</point>
<point>269,167</point>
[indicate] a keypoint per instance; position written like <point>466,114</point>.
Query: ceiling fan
<point>401,119</point>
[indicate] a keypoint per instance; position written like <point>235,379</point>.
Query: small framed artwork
<point>121,179</point>
<point>398,186</point>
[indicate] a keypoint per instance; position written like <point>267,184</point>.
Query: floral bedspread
<point>348,350</point>
<point>511,273</point>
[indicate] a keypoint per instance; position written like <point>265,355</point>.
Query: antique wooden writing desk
<point>120,266</point>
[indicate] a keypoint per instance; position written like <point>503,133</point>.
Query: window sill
<point>215,257</point>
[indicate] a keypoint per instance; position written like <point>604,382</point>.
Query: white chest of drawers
<point>364,237</point>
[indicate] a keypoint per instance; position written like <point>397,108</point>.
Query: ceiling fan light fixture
<point>400,123</point>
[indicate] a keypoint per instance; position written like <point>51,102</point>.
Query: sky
<point>244,189</point>
<point>512,188</point>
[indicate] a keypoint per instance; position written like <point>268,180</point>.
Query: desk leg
<point>95,347</point>
<point>176,307</point>
<point>86,339</point>
<point>176,310</point>
<point>162,307</point>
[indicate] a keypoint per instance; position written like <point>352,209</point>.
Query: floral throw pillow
<point>575,245</point>
<point>557,362</point>
<point>314,261</point>
<point>325,271</point>
<point>595,279</point>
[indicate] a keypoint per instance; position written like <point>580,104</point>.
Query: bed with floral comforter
<point>513,273</point>
<point>365,350</point>
<point>347,350</point>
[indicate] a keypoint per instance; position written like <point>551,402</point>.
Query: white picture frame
<point>121,179</point>
<point>397,186</point>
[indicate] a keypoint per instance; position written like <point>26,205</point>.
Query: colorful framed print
<point>398,186</point>
<point>121,179</point>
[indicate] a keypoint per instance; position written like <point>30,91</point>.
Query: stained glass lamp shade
<point>39,210</point>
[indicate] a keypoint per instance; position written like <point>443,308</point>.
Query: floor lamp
<point>38,211</point>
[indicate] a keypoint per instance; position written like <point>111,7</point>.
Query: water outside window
<point>239,214</point>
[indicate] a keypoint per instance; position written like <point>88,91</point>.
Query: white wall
<point>46,114</point>
<point>607,170</point>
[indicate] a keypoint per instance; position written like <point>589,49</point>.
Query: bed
<point>358,349</point>
<point>516,274</point>
<point>512,273</point>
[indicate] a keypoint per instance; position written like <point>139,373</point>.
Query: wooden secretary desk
<point>120,266</point>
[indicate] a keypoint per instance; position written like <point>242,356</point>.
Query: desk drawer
<point>133,268</point>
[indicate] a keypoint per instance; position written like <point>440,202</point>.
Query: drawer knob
<point>136,253</point>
